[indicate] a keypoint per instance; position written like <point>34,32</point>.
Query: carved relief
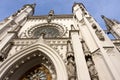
<point>99,35</point>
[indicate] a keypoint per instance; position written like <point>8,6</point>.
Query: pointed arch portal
<point>33,62</point>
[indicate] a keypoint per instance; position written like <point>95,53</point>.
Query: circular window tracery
<point>39,72</point>
<point>50,30</point>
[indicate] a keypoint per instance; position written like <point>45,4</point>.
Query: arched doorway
<point>33,60</point>
<point>39,67</point>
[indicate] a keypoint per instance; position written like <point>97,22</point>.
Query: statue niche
<point>91,68</point>
<point>71,67</point>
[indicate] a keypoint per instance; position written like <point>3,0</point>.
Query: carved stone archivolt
<point>28,58</point>
<point>44,67</point>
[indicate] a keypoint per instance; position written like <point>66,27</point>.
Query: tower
<point>54,47</point>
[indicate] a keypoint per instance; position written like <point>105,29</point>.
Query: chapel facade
<point>58,47</point>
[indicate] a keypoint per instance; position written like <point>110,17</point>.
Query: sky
<point>109,8</point>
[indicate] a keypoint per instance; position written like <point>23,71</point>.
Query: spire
<point>113,27</point>
<point>109,23</point>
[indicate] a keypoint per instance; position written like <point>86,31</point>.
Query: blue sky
<point>96,8</point>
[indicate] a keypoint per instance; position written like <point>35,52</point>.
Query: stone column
<point>102,69</point>
<point>81,67</point>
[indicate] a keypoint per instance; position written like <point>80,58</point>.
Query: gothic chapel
<point>58,47</point>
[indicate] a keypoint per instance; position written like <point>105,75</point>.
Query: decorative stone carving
<point>99,35</point>
<point>98,32</point>
<point>50,16</point>
<point>71,68</point>
<point>51,13</point>
<point>91,67</point>
<point>50,29</point>
<point>90,63</point>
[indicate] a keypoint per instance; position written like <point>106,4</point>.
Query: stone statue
<point>92,70</point>
<point>51,13</point>
<point>50,16</point>
<point>71,68</point>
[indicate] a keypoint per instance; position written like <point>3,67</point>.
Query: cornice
<point>66,38</point>
<point>28,41</point>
